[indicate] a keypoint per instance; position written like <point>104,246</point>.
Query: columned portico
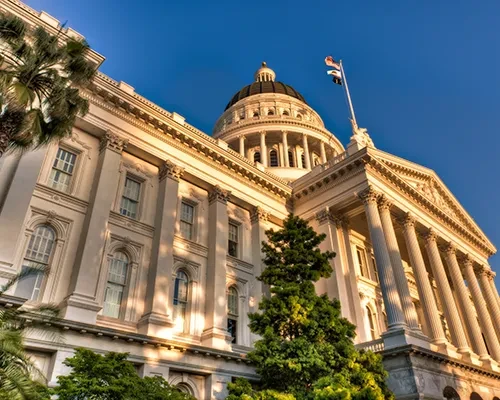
<point>462,294</point>
<point>485,320</point>
<point>395,316</point>
<point>397,264</point>
<point>158,305</point>
<point>425,293</point>
<point>81,304</point>
<point>215,332</point>
<point>445,293</point>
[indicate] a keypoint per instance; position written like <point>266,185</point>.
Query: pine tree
<point>306,348</point>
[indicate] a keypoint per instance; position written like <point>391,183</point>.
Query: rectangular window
<point>115,287</point>
<point>232,326</point>
<point>232,243</point>
<point>30,286</point>
<point>375,271</point>
<point>362,262</point>
<point>187,220</point>
<point>62,170</point>
<point>130,198</point>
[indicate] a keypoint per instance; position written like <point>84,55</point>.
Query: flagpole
<point>348,95</point>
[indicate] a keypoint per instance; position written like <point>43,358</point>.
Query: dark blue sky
<point>423,75</point>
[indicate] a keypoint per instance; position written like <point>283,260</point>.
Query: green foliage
<point>39,76</point>
<point>19,377</point>
<point>306,348</point>
<point>110,377</point>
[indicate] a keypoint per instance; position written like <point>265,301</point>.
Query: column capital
<point>242,137</point>
<point>284,132</point>
<point>170,170</point>
<point>263,133</point>
<point>323,216</point>
<point>259,214</point>
<point>408,221</point>
<point>481,270</point>
<point>466,260</point>
<point>384,203</point>
<point>430,236</point>
<point>113,142</point>
<point>340,221</point>
<point>450,249</point>
<point>369,196</point>
<point>219,194</point>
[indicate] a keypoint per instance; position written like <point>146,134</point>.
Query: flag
<point>337,76</point>
<point>332,63</point>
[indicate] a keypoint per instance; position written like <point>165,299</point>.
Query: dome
<point>264,83</point>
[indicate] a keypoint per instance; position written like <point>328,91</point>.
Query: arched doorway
<point>450,393</point>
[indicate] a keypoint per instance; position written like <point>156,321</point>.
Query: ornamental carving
<point>384,203</point>
<point>219,194</point>
<point>51,216</point>
<point>408,221</point>
<point>430,236</point>
<point>170,170</point>
<point>322,216</point>
<point>113,142</point>
<point>429,190</point>
<point>368,196</point>
<point>259,214</point>
<point>450,249</point>
<point>340,221</point>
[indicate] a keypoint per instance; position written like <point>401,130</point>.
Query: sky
<point>423,75</point>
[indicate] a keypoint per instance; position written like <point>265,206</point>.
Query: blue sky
<point>423,75</point>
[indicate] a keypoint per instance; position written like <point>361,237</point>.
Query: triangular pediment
<point>428,184</point>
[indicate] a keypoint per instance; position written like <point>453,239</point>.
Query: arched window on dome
<point>256,156</point>
<point>38,255</point>
<point>273,158</point>
<point>270,112</point>
<point>371,323</point>
<point>242,115</point>
<point>316,160</point>
<point>299,116</point>
<point>286,113</point>
<point>290,159</point>
<point>116,285</point>
<point>181,286</point>
<point>255,115</point>
<point>303,160</point>
<point>232,313</point>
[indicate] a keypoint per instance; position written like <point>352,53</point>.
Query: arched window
<point>255,115</point>
<point>286,113</point>
<point>184,388</point>
<point>371,323</point>
<point>242,115</point>
<point>270,112</point>
<point>450,393</point>
<point>303,160</point>
<point>180,302</point>
<point>232,312</point>
<point>37,260</point>
<point>273,158</point>
<point>317,161</point>
<point>299,116</point>
<point>290,159</point>
<point>117,282</point>
<point>256,156</point>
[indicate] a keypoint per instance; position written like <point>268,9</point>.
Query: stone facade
<point>152,232</point>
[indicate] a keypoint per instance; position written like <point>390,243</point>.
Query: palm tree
<point>40,77</point>
<point>20,379</point>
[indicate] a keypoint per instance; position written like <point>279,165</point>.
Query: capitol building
<point>152,231</point>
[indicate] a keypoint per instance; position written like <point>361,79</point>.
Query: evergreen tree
<point>306,348</point>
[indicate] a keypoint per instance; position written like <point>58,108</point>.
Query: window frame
<point>234,317</point>
<point>125,285</point>
<point>237,225</point>
<point>139,201</point>
<point>362,262</point>
<point>72,174</point>
<point>194,205</point>
<point>186,302</point>
<point>275,151</point>
<point>370,315</point>
<point>255,156</point>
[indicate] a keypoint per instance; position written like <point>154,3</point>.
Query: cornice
<point>105,93</point>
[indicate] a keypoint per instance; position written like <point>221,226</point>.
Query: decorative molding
<point>259,214</point>
<point>450,249</point>
<point>113,142</point>
<point>170,170</point>
<point>219,194</point>
<point>369,196</point>
<point>384,203</point>
<point>323,216</point>
<point>408,221</point>
<point>430,236</point>
<point>131,224</point>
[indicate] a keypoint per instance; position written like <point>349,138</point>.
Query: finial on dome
<point>264,74</point>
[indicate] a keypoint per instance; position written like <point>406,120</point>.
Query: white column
<point>242,145</point>
<point>81,304</point>
<point>323,151</point>
<point>395,316</point>
<point>494,288</point>
<point>17,201</point>
<point>468,315</point>
<point>397,265</point>
<point>215,332</point>
<point>445,293</point>
<point>285,148</point>
<point>482,311</point>
<point>8,168</point>
<point>425,292</point>
<point>258,218</point>
<point>305,148</point>
<point>354,300</point>
<point>263,148</point>
<point>489,296</point>
<point>158,302</point>
<point>335,286</point>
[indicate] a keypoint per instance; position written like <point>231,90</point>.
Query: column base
<point>469,356</point>
<point>446,348</point>
<point>156,324</point>
<point>401,337</point>
<point>488,362</point>
<point>217,338</point>
<point>81,308</point>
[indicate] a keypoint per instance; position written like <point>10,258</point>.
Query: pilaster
<point>258,218</point>
<point>81,304</point>
<point>157,317</point>
<point>215,333</point>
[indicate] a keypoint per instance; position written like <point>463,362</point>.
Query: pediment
<point>428,184</point>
